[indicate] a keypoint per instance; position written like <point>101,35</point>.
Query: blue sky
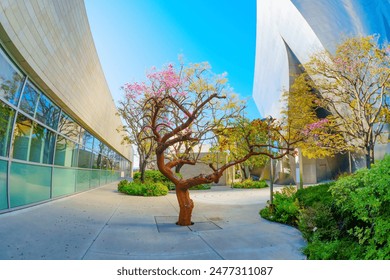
<point>131,36</point>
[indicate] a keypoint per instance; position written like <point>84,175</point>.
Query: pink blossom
<point>313,126</point>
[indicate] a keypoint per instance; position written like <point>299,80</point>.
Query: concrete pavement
<point>104,224</point>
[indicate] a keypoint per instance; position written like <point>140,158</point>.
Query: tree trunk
<point>186,205</point>
<point>178,168</point>
<point>368,157</point>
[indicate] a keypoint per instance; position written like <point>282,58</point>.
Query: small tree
<point>354,87</point>
<point>303,116</point>
<point>194,106</point>
<point>131,110</point>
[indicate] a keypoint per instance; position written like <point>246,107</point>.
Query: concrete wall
<point>51,40</point>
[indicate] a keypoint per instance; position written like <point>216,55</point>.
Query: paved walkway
<point>104,224</point>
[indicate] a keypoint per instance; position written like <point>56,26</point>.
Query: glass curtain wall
<point>44,153</point>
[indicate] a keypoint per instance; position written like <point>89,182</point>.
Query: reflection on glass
<point>3,185</point>
<point>29,99</point>
<point>47,112</point>
<point>87,139</point>
<point>84,158</point>
<point>116,163</point>
<point>107,163</point>
<point>98,147</point>
<point>11,80</point>
<point>97,161</point>
<point>66,152</point>
<point>42,145</point>
<point>29,183</point>
<point>6,122</point>
<point>68,127</point>
<point>21,139</point>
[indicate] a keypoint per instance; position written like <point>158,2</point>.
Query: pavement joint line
<point>103,227</point>
<point>211,247</point>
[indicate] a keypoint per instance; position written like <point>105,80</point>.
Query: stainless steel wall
<point>306,26</point>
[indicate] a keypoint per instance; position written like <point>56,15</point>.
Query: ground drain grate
<point>168,224</point>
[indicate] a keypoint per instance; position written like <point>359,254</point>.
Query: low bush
<point>250,184</point>
<point>154,176</point>
<point>310,196</point>
<point>285,209</point>
<point>348,219</point>
<point>363,200</point>
<point>201,187</point>
<point>142,189</point>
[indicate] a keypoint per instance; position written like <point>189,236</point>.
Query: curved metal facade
<point>289,32</point>
<point>302,27</point>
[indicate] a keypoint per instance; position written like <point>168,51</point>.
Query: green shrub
<point>139,189</point>
<point>364,203</point>
<point>122,184</point>
<point>151,175</point>
<point>250,184</point>
<point>155,189</point>
<point>318,222</point>
<point>307,197</point>
<point>201,187</point>
<point>349,219</point>
<point>286,207</point>
<point>154,176</point>
<point>340,249</point>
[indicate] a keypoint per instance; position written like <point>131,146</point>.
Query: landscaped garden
<point>250,184</point>
<point>155,184</point>
<point>346,219</point>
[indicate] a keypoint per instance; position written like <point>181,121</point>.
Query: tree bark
<point>178,167</point>
<point>368,157</point>
<point>142,168</point>
<point>186,205</point>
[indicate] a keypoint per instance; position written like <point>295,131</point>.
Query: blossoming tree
<point>354,86</point>
<point>191,106</point>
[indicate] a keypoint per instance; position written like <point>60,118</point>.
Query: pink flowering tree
<point>185,109</point>
<point>131,110</point>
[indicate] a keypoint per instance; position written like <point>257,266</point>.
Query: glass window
<point>3,185</point>
<point>87,139</point>
<point>29,99</point>
<point>64,181</point>
<point>22,133</point>
<point>117,161</point>
<point>47,112</point>
<point>69,127</point>
<point>42,145</point>
<point>107,163</point>
<point>95,178</point>
<point>82,179</point>
<point>29,183</point>
<point>97,161</point>
<point>11,80</point>
<point>66,152</point>
<point>6,122</point>
<point>84,158</point>
<point>98,147</point>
